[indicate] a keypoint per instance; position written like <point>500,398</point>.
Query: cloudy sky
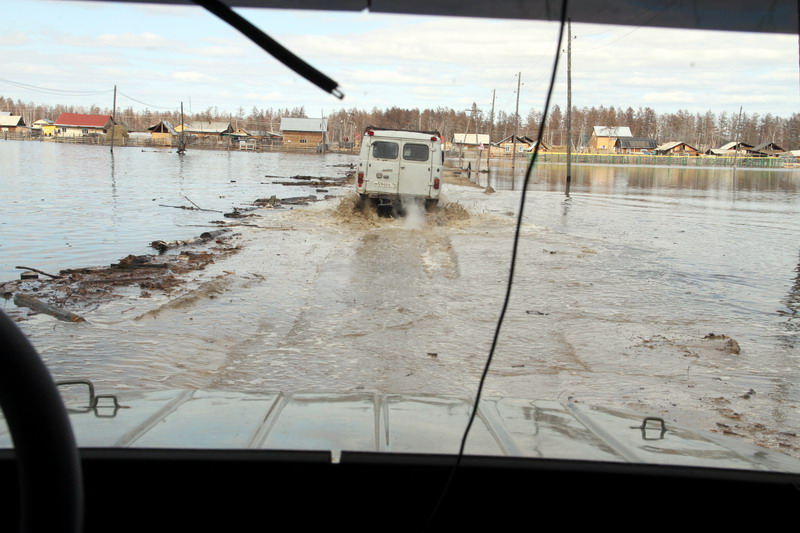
<point>158,56</point>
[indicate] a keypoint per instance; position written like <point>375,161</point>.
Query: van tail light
<point>436,183</point>
<point>370,132</point>
<point>360,179</point>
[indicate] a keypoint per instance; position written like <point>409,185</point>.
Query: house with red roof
<point>79,125</point>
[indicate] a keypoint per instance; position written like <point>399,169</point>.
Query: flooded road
<point>674,294</point>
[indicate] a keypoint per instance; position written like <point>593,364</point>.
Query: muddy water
<point>616,293</point>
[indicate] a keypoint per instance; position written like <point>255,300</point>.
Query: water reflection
<point>609,179</point>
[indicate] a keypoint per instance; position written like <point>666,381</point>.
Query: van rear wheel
<point>431,204</point>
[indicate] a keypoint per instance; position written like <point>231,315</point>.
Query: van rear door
<point>415,168</point>
<point>383,166</point>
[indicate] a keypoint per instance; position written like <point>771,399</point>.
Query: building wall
<point>74,131</point>
<point>302,139</point>
<point>602,143</point>
<point>162,138</point>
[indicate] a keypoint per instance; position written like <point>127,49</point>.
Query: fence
<point>672,160</point>
<point>192,142</point>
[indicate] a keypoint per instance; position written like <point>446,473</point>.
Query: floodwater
<point>616,290</point>
<point>66,205</point>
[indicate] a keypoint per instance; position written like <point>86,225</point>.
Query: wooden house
<point>12,123</point>
<point>676,148</point>
<point>635,145</point>
<point>604,137</point>
<point>206,128</point>
<point>44,127</point>
<point>80,125</point>
<point>162,133</point>
<point>466,142</point>
<point>470,140</point>
<point>303,133</point>
<point>525,144</point>
<point>767,149</point>
<point>732,147</point>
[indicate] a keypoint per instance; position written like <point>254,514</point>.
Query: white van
<point>398,166</point>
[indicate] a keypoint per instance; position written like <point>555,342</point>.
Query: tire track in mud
<point>439,256</point>
<point>362,315</point>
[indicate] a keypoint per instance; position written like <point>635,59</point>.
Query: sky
<point>159,56</point>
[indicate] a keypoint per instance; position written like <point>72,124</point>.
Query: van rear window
<point>415,152</point>
<point>385,150</point>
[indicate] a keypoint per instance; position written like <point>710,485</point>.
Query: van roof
<point>405,134</point>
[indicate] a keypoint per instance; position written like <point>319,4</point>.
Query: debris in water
<point>83,287</point>
<point>54,276</point>
<point>26,300</point>
<point>728,344</point>
<point>209,289</point>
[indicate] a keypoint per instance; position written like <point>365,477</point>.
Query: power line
<point>173,108</point>
<point>51,91</point>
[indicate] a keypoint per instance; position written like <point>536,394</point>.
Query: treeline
<point>702,130</point>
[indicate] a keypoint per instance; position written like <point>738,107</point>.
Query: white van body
<point>398,166</point>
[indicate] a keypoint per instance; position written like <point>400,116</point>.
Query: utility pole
<point>516,132</point>
<point>489,149</point>
<point>569,107</point>
<point>114,119</point>
<point>182,145</point>
<point>322,128</point>
<point>738,137</point>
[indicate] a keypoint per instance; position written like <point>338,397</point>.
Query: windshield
<point>220,252</point>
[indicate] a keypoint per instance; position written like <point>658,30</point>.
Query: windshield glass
<point>201,236</point>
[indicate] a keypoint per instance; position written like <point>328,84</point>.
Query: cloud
<point>137,41</point>
<point>193,77</point>
<point>14,39</point>
<point>221,51</point>
<point>670,97</point>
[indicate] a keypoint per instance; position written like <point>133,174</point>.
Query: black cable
<point>271,46</point>
<point>512,268</point>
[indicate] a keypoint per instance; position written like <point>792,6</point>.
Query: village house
<point>676,148</point>
<point>470,141</point>
<point>162,133</point>
<point>506,146</point>
<point>266,136</point>
<point>12,123</point>
<point>635,145</point>
<point>206,128</point>
<point>604,138</point>
<point>43,127</point>
<point>768,149</point>
<point>733,147</point>
<point>79,125</point>
<point>303,133</point>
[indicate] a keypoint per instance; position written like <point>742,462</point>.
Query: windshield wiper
<point>271,46</point>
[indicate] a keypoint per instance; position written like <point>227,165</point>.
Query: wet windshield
<point>245,278</point>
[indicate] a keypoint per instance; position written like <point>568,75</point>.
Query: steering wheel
<point>51,484</point>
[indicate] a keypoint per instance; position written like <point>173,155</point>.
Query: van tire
<point>431,204</point>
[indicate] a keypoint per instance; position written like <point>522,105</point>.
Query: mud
<point>207,290</point>
<point>84,289</point>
